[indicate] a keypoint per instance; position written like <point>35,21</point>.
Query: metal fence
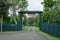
<point>10,27</point>
<point>53,29</point>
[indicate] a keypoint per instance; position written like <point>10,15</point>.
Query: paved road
<point>28,35</point>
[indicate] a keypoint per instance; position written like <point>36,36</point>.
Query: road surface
<point>27,35</point>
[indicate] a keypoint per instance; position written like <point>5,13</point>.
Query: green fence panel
<point>46,27</point>
<point>10,27</point>
<point>53,29</point>
<point>58,30</point>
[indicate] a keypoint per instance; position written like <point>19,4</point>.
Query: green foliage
<point>46,15</point>
<point>17,5</point>
<point>23,4</point>
<point>49,3</point>
<point>51,14</point>
<point>36,20</point>
<point>4,6</point>
<point>20,4</point>
<point>6,19</point>
<point>55,13</point>
<point>24,28</point>
<point>18,18</point>
<point>24,20</point>
<point>9,19</point>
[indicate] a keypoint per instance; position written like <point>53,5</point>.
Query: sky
<point>35,5</point>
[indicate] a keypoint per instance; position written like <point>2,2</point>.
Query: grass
<point>50,37</point>
<point>24,28</point>
<point>36,28</point>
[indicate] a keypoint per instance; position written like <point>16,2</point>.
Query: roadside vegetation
<point>24,28</point>
<point>50,37</point>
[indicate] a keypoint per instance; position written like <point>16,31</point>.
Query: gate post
<point>40,25</point>
<point>20,21</point>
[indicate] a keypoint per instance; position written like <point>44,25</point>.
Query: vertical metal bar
<point>40,26</point>
<point>20,21</point>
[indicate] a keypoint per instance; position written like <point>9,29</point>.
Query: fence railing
<point>10,27</point>
<point>53,29</point>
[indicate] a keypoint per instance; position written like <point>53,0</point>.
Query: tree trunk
<point>1,22</point>
<point>14,16</point>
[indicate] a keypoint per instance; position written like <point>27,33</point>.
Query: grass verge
<point>50,37</point>
<point>24,28</point>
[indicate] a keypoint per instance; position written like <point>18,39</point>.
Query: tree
<point>49,3</point>
<point>4,6</point>
<point>46,15</point>
<point>55,13</point>
<point>36,20</point>
<point>17,4</point>
<point>51,14</point>
<point>24,19</point>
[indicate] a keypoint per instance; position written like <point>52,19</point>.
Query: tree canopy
<point>4,6</point>
<point>51,13</point>
<point>17,5</point>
